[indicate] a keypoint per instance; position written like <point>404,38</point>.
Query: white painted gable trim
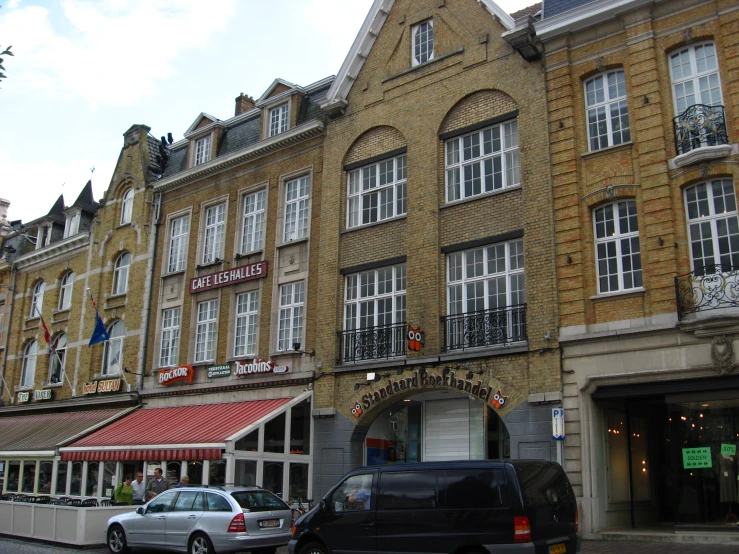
<point>197,121</point>
<point>271,87</point>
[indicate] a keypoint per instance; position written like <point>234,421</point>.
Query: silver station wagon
<point>204,520</point>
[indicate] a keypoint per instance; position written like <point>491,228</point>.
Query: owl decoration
<point>415,339</point>
<point>498,400</point>
<point>357,410</point>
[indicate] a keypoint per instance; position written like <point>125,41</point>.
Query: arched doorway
<point>436,426</point>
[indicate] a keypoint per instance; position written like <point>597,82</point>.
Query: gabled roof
<point>198,120</point>
<point>366,37</point>
<point>531,10</point>
<point>273,86</point>
<point>85,200</point>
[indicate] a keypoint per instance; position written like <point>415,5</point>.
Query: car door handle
<point>162,517</point>
<point>192,517</point>
<point>367,524</point>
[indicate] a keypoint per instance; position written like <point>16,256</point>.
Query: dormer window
<point>43,238</point>
<point>278,120</point>
<point>127,207</point>
<point>202,150</point>
<point>423,42</point>
<point>73,224</point>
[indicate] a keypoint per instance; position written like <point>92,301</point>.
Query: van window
<point>408,490</point>
<point>544,485</point>
<point>354,494</point>
<point>474,488</point>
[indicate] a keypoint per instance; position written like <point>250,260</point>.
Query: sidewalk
<point>619,547</point>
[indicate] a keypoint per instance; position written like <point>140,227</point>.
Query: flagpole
<point>10,394</point>
<point>52,350</point>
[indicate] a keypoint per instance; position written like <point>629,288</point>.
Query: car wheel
<point>117,540</point>
<point>200,544</point>
<point>314,548</point>
<point>265,550</point>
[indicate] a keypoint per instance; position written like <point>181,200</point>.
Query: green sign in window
<point>223,370</point>
<point>728,449</point>
<point>697,457</point>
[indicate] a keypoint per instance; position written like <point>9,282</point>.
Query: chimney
<point>244,103</point>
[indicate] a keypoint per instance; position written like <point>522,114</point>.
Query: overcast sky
<point>84,71</point>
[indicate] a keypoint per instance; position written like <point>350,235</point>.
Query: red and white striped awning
<point>157,454</point>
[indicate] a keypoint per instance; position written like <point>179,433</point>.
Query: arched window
<point>120,274</point>
<point>58,359</point>
<point>65,291</point>
<point>38,299</point>
<point>114,349</point>
<point>28,375</point>
<point>607,111</point>
<point>127,206</point>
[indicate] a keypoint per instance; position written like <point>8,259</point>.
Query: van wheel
<point>200,544</point>
<point>314,548</point>
<point>117,540</point>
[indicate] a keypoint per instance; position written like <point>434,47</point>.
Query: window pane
<point>474,489</point>
<point>412,490</point>
<point>274,434</point>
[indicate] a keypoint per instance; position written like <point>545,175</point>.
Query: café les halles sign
<point>231,276</point>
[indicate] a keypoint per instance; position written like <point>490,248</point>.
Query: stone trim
<point>375,159</point>
<point>373,265</point>
<point>477,126</point>
<point>458,247</point>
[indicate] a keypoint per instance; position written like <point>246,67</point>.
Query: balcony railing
<point>707,288</point>
<point>373,343</point>
<point>698,126</point>
<point>485,328</point>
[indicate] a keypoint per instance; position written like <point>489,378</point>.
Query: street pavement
<point>14,546</point>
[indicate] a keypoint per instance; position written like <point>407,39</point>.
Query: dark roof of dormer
<point>56,213</point>
<point>86,201</point>
<point>556,7</point>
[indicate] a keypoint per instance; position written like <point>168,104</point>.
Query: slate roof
<point>531,10</point>
<point>85,200</point>
<point>153,145</point>
<point>556,7</point>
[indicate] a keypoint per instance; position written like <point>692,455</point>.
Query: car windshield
<point>259,501</point>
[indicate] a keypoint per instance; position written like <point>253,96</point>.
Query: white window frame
<point>278,119</point>
<point>59,360</point>
<point>72,224</point>
<point>37,299</point>
<point>120,273</point>
<point>297,208</point>
<point>179,232</point>
<point>713,224</point>
<point>127,206</point>
<point>113,353</point>
<point>247,324</point>
<point>203,147</point>
<point>65,291</point>
<point>291,316</point>
<point>252,228</point>
<point>214,232</point>
<point>422,42</point>
<point>205,331</point>
<point>377,192</point>
<point>28,373</point>
<point>43,236</point>
<point>616,242</point>
<point>364,290</point>
<point>170,337</point>
<point>472,158</point>
<point>704,82</point>
<point>605,93</point>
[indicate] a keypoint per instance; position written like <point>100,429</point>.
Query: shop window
<point>173,473</point>
<point>75,488</point>
<point>298,482</point>
<point>44,476</point>
<point>249,443</point>
<point>607,111</point>
<point>377,192</point>
<point>195,472</point>
<point>300,428</point>
<point>617,443</point>
<point>29,476</point>
<point>14,472</point>
<point>411,490</point>
<point>274,434</point>
<point>217,474</point>
<point>273,477</point>
<point>2,475</point>
<point>61,478</point>
<point>91,484</point>
<point>108,478</point>
<point>246,473</point>
<point>474,489</point>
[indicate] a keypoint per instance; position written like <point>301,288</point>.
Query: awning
<point>44,433</point>
<point>181,433</point>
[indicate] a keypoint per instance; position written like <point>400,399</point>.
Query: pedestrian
<point>184,482</point>
<point>138,489</point>
<point>124,491</point>
<point>156,485</point>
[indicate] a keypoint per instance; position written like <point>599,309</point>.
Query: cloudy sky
<point>84,71</point>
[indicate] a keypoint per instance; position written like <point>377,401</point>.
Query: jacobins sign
<point>229,277</point>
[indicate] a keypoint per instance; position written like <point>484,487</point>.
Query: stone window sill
<point>480,196</point>
<point>607,150</point>
<point>375,224</point>
<point>639,291</point>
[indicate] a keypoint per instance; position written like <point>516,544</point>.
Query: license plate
<point>275,523</point>
<point>557,549</point>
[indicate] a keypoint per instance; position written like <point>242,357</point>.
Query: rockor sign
<point>229,277</point>
<point>259,366</point>
<point>182,373</point>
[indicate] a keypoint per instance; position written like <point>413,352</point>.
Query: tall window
<point>695,77</point>
<point>202,150</point>
<point>247,313</point>
<point>72,225</point>
<point>375,298</point>
<point>43,237</point>
<point>483,161</point>
<point>65,291</point>
<point>253,227</point>
<point>608,113</point>
<point>278,120</point>
<point>113,354</point>
<point>178,234</point>
<point>28,374</point>
<point>58,359</point>
<point>292,299</point>
<point>127,206</point>
<point>215,224</point>
<point>376,192</point>
<point>37,300</point>
<point>205,332</point>
<point>617,246</point>
<point>423,42</point>
<point>120,273</point>
<point>297,194</point>
<point>713,225</point>
<point>170,337</point>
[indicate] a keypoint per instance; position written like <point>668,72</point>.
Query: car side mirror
<point>324,507</point>
<point>140,510</point>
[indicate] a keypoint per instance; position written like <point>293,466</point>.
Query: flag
<point>99,334</point>
<point>47,333</point>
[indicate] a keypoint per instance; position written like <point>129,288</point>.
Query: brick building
<point>643,115</point>
<point>438,307</point>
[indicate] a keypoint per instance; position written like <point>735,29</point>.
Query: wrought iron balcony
<point>707,288</point>
<point>699,126</point>
<point>373,343</point>
<point>485,328</point>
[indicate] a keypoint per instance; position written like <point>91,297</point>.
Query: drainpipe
<point>156,220</point>
<point>11,290</point>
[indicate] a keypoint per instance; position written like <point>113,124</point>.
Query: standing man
<point>156,485</point>
<point>138,489</point>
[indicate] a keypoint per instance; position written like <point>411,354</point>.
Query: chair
<point>21,498</point>
<point>89,503</point>
<point>43,499</point>
<point>6,497</point>
<point>63,500</point>
<point>106,502</point>
<point>74,502</point>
